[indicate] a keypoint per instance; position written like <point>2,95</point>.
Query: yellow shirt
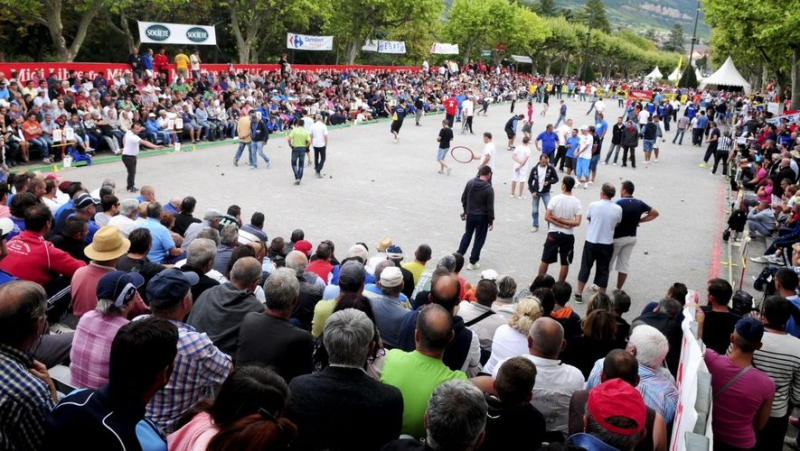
<point>181,61</point>
<point>299,137</point>
<point>416,269</point>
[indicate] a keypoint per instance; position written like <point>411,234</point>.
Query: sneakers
<point>319,176</point>
<point>253,168</point>
<point>268,164</point>
<point>534,229</point>
<point>47,160</point>
<point>703,165</point>
<point>605,163</point>
<point>449,170</point>
<point>615,163</point>
<point>578,299</point>
<point>585,186</point>
<point>297,182</point>
<point>656,160</point>
<point>762,259</point>
<point>473,266</point>
<point>591,182</point>
<point>133,189</point>
<point>593,288</point>
<point>777,261</point>
<point>235,162</point>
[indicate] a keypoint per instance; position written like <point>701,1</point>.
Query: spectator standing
<point>540,181</point>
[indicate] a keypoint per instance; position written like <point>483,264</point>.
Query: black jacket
<point>269,341</point>
<point>650,131</point>
<point>478,199</point>
<point>551,177</point>
<point>328,405</point>
<point>630,138</point>
<point>616,133</point>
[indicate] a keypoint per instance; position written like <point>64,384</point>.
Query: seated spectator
<point>321,265</point>
<point>228,240</point>
<point>389,310</point>
<point>211,219</point>
<point>416,374</point>
<point>325,405</point>
<point>351,282</point>
<point>421,257</point>
<point>142,355</point>
<point>200,367</point>
<point>72,238</point>
<point>455,419</point>
<point>248,413</point>
<point>395,254</point>
<point>664,318</point>
<point>622,304</point>
<point>749,392</point>
<point>463,352</point>
<point>598,339</point>
<point>786,284</point>
<point>511,340</point>
<point>555,381</point>
<point>504,304</point>
<point>163,250</point>
<point>184,217</point>
<point>32,258</point>
<point>27,394</point>
<point>511,419</point>
<point>110,205</point>
<point>125,221</point>
<point>656,385</point>
<point>620,364</point>
<point>220,310</point>
<point>91,347</point>
<point>479,317</point>
<point>564,314</point>
<point>200,260</point>
<point>267,338</point>
<point>719,321</point>
<point>20,204</point>
<point>136,260</point>
<point>311,289</point>
<point>253,232</point>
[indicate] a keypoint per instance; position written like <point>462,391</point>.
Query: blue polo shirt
<point>549,141</point>
<point>572,145</point>
<point>600,127</point>
<point>702,121</point>
<point>162,240</point>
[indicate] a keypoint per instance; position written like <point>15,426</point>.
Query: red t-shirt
<point>451,106</point>
<point>321,268</point>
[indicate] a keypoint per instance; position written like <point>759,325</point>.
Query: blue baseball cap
<point>750,329</point>
<point>119,286</point>
<point>169,287</point>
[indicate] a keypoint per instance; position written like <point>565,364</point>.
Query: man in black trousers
<point>478,204</point>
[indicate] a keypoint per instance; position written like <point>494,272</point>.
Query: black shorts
<point>510,134</point>
<point>396,126</point>
<point>569,162</point>
<point>557,245</point>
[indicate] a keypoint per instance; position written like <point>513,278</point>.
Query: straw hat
<point>384,244</point>
<point>107,244</point>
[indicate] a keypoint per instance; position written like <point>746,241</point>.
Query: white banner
<point>305,42</point>
<point>370,46</point>
<point>175,33</point>
<point>437,48</point>
<point>391,47</point>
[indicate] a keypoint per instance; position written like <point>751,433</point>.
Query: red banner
<point>639,94</point>
<point>26,71</point>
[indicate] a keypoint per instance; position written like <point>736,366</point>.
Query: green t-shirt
<point>416,376</point>
<point>416,269</point>
<point>299,137</point>
<point>322,311</point>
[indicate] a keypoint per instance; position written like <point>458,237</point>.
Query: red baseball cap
<point>304,247</point>
<point>617,398</point>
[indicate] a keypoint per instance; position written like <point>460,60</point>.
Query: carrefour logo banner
<point>305,42</point>
<point>174,33</point>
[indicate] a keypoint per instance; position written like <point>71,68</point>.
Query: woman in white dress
<point>520,156</point>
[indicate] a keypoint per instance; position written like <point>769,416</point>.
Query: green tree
<point>53,14</point>
<point>675,41</point>
<point>547,8</point>
<point>593,15</point>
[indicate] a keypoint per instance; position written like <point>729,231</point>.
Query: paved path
<point>372,188</point>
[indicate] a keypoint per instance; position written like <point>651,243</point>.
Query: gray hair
<point>670,307</point>
<point>651,345</point>
<point>212,214</point>
<point>128,206</point>
<point>281,289</point>
<point>448,262</point>
<point>547,336</point>
<point>106,307</point>
<point>245,271</point>
<point>200,252</point>
<point>347,336</point>
<point>209,234</point>
<point>109,182</point>
<point>297,262</point>
<point>456,416</point>
<point>619,441</point>
<point>24,303</point>
<point>229,235</point>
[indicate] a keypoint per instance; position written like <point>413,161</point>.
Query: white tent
<point>726,75</point>
<point>655,75</point>
<point>698,75</point>
<point>674,76</point>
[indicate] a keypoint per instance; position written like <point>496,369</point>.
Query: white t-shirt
<point>195,62</point>
<point>643,116</point>
<point>467,108</point>
<point>489,149</point>
<point>599,106</point>
<point>563,132</point>
<point>541,173</point>
<point>521,153</point>
<point>130,144</point>
<point>603,216</point>
<point>564,207</point>
<point>586,143</point>
<point>318,133</point>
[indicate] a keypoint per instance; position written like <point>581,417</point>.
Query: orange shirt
<point>31,129</point>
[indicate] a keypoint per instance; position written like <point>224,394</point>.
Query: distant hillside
<point>639,15</point>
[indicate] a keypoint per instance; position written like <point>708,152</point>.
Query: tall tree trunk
<point>565,69</point>
<point>547,68</point>
<point>242,46</point>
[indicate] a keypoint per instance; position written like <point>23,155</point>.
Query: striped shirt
<point>779,358</point>
<point>199,369</point>
<point>24,402</point>
<point>724,144</point>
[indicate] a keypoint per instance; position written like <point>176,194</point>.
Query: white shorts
<point>623,248</point>
<point>519,176</point>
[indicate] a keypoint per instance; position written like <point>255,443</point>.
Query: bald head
<point>246,273</point>
<point>621,364</point>
<point>22,308</point>
<point>434,329</point>
<point>445,291</point>
<point>297,261</point>
<point>546,338</point>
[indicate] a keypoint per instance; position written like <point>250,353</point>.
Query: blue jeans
<point>240,151</point>
<point>298,161</point>
<point>680,133</point>
<point>612,150</point>
<point>256,150</point>
<point>545,198</point>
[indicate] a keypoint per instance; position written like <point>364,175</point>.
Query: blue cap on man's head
<point>169,287</point>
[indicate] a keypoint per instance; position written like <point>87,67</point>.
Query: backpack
<point>765,281</point>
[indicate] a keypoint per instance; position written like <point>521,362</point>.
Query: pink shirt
<point>735,409</point>
<point>84,291</point>
<point>194,435</point>
<point>91,349</point>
